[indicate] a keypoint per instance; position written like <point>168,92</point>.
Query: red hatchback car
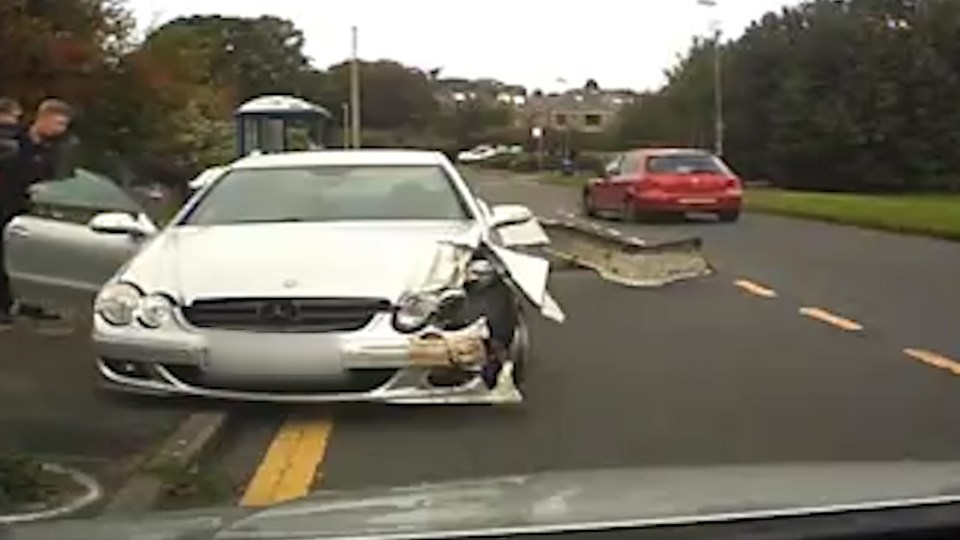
<point>653,181</point>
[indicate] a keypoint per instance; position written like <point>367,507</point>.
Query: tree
<point>394,96</point>
<point>251,56</point>
<point>830,94</point>
<point>62,48</point>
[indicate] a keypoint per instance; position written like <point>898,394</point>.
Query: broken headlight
<point>416,311</point>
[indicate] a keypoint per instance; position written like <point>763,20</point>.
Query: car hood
<point>557,501</point>
<point>369,259</point>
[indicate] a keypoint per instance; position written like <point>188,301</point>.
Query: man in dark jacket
<point>27,156</point>
<point>10,113</point>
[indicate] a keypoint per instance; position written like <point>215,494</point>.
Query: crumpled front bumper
<point>249,366</point>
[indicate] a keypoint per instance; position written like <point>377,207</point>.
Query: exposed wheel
<point>586,203</point>
<point>729,216</point>
<point>520,352</point>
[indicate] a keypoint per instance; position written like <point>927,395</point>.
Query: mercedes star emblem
<point>280,312</point>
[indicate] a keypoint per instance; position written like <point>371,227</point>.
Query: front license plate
<point>697,201</point>
<point>275,356</point>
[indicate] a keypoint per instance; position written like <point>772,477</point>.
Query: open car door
<point>53,254</point>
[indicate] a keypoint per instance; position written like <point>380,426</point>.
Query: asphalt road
<point>702,372</point>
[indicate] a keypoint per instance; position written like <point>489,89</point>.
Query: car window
<point>330,193</point>
<point>80,197</point>
<point>686,163</point>
<point>631,164</point>
<point>613,167</point>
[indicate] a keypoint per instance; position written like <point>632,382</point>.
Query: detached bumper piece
<point>628,262</point>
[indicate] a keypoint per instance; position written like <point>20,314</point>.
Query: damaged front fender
<point>457,260</point>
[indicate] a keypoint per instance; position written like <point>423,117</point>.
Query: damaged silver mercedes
<point>318,277</point>
<point>311,277</point>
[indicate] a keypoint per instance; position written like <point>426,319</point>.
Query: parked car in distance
<point>652,181</point>
<point>477,153</point>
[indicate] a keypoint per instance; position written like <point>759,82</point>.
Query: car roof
<point>340,157</point>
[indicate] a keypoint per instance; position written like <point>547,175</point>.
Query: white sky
<point>620,43</point>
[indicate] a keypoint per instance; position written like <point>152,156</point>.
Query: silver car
<point>300,277</point>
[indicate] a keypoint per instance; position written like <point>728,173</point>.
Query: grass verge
<point>191,487</point>
<point>927,215</point>
<point>23,481</point>
<point>576,180</point>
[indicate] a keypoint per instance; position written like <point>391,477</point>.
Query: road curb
<point>143,489</point>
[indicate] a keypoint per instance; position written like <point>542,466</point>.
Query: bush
<point>530,162</point>
<point>592,162</point>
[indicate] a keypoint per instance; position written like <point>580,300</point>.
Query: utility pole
<point>719,126</point>
<point>346,125</point>
<point>718,92</point>
<point>355,93</point>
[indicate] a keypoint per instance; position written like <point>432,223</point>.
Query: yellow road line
<point>291,465</point>
<point>754,288</point>
<point>830,318</point>
<point>934,359</point>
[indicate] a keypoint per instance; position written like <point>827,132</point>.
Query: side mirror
<point>510,214</point>
<point>205,178</point>
<point>120,223</point>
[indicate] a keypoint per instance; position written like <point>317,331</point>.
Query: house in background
<point>589,110</point>
<point>453,91</point>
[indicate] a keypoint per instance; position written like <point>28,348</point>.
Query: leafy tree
<point>393,96</point>
<point>830,94</point>
<point>61,48</point>
<point>251,56</point>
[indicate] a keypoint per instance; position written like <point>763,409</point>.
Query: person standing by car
<point>27,156</point>
<point>10,113</point>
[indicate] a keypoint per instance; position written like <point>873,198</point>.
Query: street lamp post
<point>718,93</point>
<point>719,126</point>
<point>354,92</point>
<point>346,125</point>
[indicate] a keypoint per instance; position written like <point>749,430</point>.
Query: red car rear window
<point>686,164</point>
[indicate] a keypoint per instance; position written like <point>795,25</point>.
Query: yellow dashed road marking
<point>831,319</point>
<point>934,359</point>
<point>756,289</point>
<point>291,465</point>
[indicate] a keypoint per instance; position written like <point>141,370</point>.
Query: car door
<point>627,173</point>
<point>53,257</point>
<point>604,189</point>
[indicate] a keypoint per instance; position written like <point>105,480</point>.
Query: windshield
<point>330,193</point>
<point>686,163</point>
